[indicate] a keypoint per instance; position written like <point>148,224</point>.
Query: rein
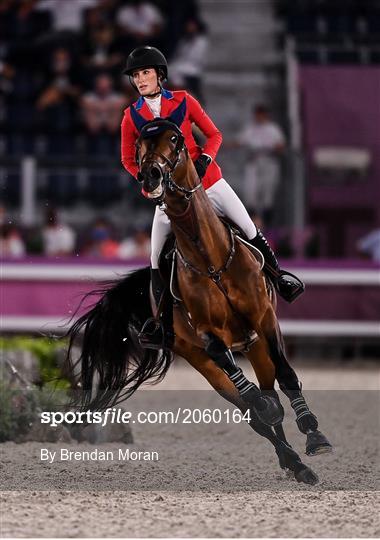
<point>173,186</point>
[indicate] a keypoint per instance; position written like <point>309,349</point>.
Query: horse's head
<point>158,152</point>
<point>160,148</point>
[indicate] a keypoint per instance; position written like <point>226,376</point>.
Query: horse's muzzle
<point>152,182</point>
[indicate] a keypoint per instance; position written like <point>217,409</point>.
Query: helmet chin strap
<point>155,94</point>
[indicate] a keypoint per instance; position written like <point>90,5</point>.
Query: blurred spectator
<point>11,243</point>
<point>136,246</point>
<point>140,22</point>
<point>67,14</point>
<point>189,58</point>
<point>7,73</point>
<point>257,220</point>
<point>101,111</point>
<point>176,15</point>
<point>284,245</point>
<point>270,234</point>
<point>312,246</point>
<point>58,238</point>
<point>20,28</point>
<point>20,94</point>
<point>102,52</point>
<point>93,18</point>
<point>58,101</point>
<point>265,142</point>
<point>100,242</point>
<point>370,245</point>
<point>61,73</point>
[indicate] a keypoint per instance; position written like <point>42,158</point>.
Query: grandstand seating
<point>333,32</point>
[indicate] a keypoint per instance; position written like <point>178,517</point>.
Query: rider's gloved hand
<point>201,165</point>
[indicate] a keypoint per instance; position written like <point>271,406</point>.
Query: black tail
<point>112,363</point>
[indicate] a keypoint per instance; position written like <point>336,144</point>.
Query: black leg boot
<point>157,332</point>
<point>158,286</point>
<point>287,285</point>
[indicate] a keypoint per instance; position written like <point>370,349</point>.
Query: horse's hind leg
<point>219,380</point>
<point>307,422</point>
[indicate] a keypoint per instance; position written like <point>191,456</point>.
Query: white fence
<point>13,272</point>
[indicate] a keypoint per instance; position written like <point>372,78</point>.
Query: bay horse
<point>223,303</point>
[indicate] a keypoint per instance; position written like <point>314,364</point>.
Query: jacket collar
<point>165,94</point>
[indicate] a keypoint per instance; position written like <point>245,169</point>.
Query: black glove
<point>201,165</point>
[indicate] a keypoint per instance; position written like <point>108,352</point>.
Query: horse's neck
<point>200,235</point>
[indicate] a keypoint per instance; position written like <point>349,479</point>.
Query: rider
<point>147,70</point>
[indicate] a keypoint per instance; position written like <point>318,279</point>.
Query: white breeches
<point>225,202</point>
<point>261,180</point>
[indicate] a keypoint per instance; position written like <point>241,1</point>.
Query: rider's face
<point>146,81</point>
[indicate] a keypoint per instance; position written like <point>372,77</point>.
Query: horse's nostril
<point>155,173</point>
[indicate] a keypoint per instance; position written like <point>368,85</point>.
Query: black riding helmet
<point>146,57</point>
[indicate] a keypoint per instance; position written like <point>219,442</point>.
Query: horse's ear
<point>138,120</point>
<point>178,115</point>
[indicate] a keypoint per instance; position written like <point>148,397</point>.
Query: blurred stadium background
<point>70,214</point>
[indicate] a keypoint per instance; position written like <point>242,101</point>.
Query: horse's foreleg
<point>220,381</point>
<point>307,422</point>
<point>264,406</point>
<point>264,369</point>
<point>215,376</point>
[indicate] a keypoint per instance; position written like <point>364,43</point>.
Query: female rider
<point>147,70</point>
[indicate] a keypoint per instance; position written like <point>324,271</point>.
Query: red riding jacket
<point>194,113</point>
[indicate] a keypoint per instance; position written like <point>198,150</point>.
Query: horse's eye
<point>174,138</point>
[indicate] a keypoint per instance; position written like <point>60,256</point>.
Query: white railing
<point>78,272</point>
<point>291,328</point>
<point>16,272</point>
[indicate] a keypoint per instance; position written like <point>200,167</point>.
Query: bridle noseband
<point>151,129</point>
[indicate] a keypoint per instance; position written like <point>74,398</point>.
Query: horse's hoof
<point>289,473</point>
<point>307,476</point>
<point>269,410</point>
<point>317,444</point>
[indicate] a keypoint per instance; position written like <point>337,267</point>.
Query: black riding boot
<point>287,285</point>
<point>157,332</point>
<point>158,286</point>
